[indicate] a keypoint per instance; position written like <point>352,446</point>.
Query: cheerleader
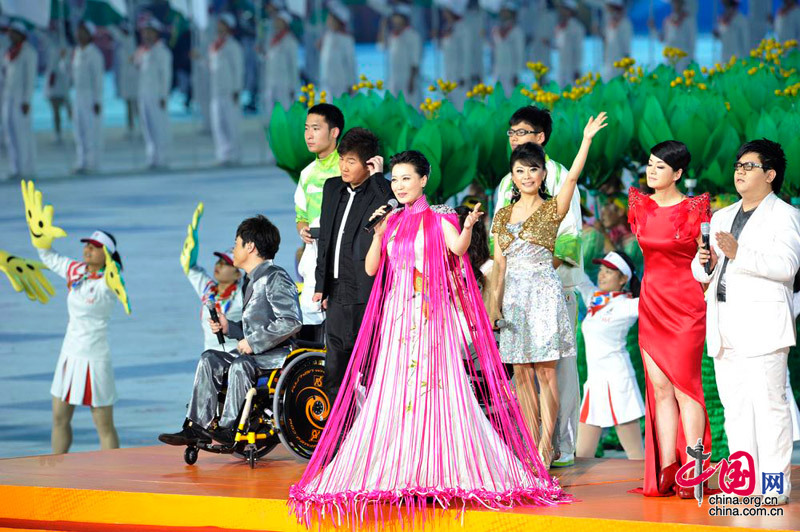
<point>611,396</point>
<point>223,290</point>
<point>83,373</point>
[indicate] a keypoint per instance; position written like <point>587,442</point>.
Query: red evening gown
<point>672,311</point>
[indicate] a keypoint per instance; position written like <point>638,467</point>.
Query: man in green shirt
<point>532,124</point>
<point>324,126</point>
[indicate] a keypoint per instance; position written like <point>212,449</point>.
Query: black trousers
<point>342,323</point>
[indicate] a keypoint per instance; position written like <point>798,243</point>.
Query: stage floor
<point>151,488</point>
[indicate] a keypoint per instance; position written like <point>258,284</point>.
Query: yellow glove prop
<point>191,244</point>
<point>26,275</point>
<point>115,281</point>
<point>39,217</point>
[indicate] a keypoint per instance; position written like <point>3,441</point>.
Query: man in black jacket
<point>343,285</point>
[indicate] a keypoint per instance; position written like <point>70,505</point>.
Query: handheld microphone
<point>705,232</point>
<point>212,310</point>
<point>500,324</point>
<point>391,204</point>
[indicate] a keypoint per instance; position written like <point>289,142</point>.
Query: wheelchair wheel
<point>190,455</point>
<point>263,448</point>
<point>300,406</point>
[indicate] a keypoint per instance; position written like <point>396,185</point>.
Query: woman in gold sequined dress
<point>539,332</point>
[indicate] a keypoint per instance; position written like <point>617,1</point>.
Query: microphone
<point>705,231</point>
<point>391,204</point>
<point>212,310</point>
<point>500,324</point>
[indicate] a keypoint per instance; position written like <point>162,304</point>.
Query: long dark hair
<point>634,284</point>
<point>114,255</point>
<point>478,250</point>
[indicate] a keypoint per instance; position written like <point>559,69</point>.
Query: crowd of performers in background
<point>237,57</point>
<point>413,310</point>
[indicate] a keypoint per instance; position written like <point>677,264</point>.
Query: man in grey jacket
<point>271,316</point>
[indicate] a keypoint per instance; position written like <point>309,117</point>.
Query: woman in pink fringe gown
<point>418,419</point>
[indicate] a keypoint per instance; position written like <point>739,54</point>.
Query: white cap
<point>402,9</point>
<point>153,23</point>
<point>340,11</point>
<point>570,4</point>
<point>459,7</point>
<point>284,16</point>
<point>101,238</point>
<point>614,261</point>
<point>90,27</point>
<point>18,26</point>
<point>510,5</point>
<point>228,19</point>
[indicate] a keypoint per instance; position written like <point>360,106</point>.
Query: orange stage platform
<point>152,490</point>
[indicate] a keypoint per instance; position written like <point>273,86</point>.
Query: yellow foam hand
<point>39,217</point>
<point>191,245</point>
<point>26,275</point>
<point>115,281</point>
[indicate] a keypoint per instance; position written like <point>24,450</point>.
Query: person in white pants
<point>405,55</point>
<point>787,21</point>
<point>226,65</point>
<point>455,45</point>
<point>281,73</point>
<point>87,71</point>
<point>569,38</point>
<point>19,65</point>
<point>617,36</point>
<point>338,54</point>
<point>125,73</point>
<point>508,41</point>
<point>733,31</point>
<point>154,61</point>
<point>754,256</point>
<point>57,77</point>
<point>541,21</point>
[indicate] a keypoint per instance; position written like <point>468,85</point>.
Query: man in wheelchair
<point>271,316</point>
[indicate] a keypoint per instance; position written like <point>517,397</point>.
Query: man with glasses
<point>754,256</point>
<point>532,124</point>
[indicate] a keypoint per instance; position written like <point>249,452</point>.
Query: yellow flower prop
<point>309,96</point>
<point>480,91</point>
<point>538,69</point>
<point>365,83</point>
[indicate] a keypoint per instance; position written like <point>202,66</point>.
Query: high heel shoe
<point>666,479</point>
<point>685,493</point>
<point>546,455</point>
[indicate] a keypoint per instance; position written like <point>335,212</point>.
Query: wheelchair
<point>287,405</point>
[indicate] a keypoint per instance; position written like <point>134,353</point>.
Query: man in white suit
<point>749,324</point>
<point>88,70</point>
<point>154,61</point>
<point>226,66</point>
<point>19,68</point>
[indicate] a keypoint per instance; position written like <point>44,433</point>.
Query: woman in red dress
<point>672,317</point>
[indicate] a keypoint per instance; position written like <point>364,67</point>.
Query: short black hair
<point>674,153</point>
<point>537,117</point>
<point>415,159</point>
<point>771,155</point>
<point>529,154</point>
<point>333,115</point>
<point>261,232</point>
<point>360,141</point>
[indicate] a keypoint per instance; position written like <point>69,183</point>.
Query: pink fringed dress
<point>417,417</point>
